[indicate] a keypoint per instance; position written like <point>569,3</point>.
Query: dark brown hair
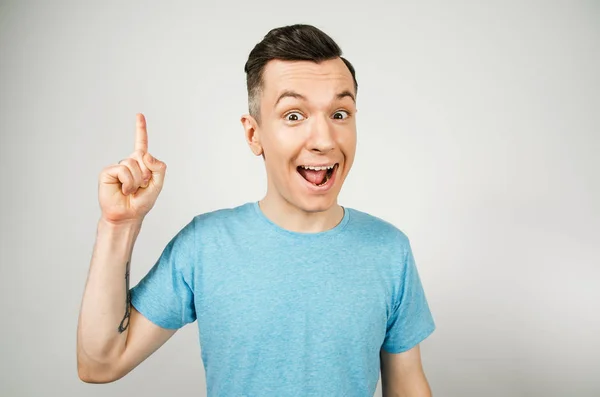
<point>288,43</point>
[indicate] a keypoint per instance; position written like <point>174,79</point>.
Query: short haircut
<point>297,42</point>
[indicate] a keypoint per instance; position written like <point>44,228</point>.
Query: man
<point>294,294</point>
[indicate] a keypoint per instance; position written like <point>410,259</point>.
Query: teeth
<point>309,167</point>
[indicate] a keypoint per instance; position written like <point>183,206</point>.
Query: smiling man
<point>303,121</point>
<point>294,294</point>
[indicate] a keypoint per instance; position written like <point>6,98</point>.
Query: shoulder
<point>221,218</point>
<point>208,227</point>
<point>374,228</point>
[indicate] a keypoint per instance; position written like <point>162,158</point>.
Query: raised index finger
<point>141,135</point>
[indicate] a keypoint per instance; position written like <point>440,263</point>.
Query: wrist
<point>121,224</point>
<point>129,228</point>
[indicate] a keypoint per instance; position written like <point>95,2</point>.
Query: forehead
<point>306,77</point>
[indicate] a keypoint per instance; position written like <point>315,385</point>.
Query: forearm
<point>103,320</point>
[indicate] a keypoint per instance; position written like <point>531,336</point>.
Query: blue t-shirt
<point>282,313</point>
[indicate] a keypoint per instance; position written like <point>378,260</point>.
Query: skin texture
<point>313,128</point>
<point>402,374</point>
<point>112,337</point>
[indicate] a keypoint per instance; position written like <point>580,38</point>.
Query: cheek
<point>285,144</point>
<point>281,151</point>
<point>347,142</point>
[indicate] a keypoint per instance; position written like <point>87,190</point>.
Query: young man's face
<point>307,112</point>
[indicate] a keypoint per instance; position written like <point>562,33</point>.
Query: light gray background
<point>478,133</point>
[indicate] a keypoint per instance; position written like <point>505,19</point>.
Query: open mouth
<point>318,176</point>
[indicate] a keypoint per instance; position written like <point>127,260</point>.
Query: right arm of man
<point>109,343</point>
<point>112,337</point>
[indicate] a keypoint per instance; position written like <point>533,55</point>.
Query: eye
<point>340,115</point>
<point>294,116</point>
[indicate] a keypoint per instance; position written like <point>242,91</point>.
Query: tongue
<point>315,177</point>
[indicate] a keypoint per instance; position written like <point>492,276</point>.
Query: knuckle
<point>127,177</point>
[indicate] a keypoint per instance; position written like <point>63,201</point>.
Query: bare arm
<point>112,337</point>
<point>402,374</point>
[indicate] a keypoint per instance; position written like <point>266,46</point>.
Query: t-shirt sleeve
<point>165,296</point>
<point>410,321</point>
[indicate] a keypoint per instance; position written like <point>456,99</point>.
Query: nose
<point>321,135</point>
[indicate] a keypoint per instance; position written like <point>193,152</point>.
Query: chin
<point>315,204</point>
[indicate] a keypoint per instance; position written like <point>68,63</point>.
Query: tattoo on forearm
<point>125,322</point>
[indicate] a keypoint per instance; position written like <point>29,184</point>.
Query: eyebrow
<point>344,94</point>
<point>290,94</point>
<point>293,94</point>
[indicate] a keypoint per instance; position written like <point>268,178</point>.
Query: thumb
<point>157,167</point>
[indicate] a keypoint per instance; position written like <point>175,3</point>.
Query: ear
<point>252,133</point>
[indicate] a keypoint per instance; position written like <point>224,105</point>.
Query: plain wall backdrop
<point>478,136</point>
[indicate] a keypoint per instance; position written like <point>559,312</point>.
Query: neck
<point>289,217</point>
